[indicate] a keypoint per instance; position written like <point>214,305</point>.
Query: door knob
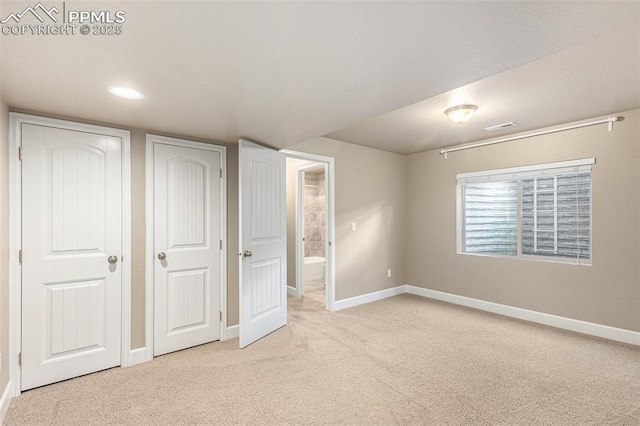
<point>112,259</point>
<point>162,255</point>
<point>247,253</point>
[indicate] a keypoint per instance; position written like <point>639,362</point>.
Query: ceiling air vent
<point>500,126</point>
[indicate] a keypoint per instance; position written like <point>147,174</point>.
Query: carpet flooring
<point>314,290</point>
<point>402,360</point>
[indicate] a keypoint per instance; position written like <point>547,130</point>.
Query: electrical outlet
<point>389,273</point>
<point>353,226</point>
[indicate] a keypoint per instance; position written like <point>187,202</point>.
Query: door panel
<point>71,224</point>
<point>187,230</point>
<point>188,294</point>
<point>80,202</point>
<point>266,279</point>
<point>76,317</point>
<point>263,276</point>
<point>186,205</point>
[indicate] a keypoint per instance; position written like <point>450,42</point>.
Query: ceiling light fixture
<point>125,92</point>
<point>460,113</point>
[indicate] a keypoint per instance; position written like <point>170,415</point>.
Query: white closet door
<point>71,227</point>
<point>187,247</point>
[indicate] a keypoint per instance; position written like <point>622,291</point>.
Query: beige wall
<point>370,190</point>
<point>138,235</point>
<point>606,293</point>
<point>4,245</point>
<point>138,227</point>
<point>233,247</point>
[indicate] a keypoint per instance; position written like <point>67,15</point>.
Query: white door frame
<point>150,249</point>
<point>330,220</point>
<point>300,226</point>
<point>16,120</point>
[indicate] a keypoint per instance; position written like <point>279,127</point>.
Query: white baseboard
<point>5,400</point>
<point>584,327</point>
<point>367,298</point>
<point>137,356</point>
<point>593,329</point>
<point>233,331</point>
<point>292,291</point>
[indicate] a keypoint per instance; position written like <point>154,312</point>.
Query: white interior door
<point>187,244</point>
<point>72,245</point>
<point>263,242</point>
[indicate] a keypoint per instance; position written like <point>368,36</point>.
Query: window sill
<point>525,257</point>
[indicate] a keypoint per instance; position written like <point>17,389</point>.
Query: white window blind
<point>491,218</point>
<point>542,210</point>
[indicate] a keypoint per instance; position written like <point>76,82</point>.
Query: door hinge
<point>220,315</point>
<point>20,256</point>
<point>20,153</point>
<point>220,244</point>
<point>19,359</point>
<point>220,173</point>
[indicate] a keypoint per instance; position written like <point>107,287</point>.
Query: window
<point>541,211</point>
<point>491,218</point>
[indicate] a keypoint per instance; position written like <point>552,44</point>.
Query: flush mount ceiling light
<point>125,92</point>
<point>460,113</point>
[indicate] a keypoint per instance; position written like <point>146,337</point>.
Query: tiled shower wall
<point>314,213</point>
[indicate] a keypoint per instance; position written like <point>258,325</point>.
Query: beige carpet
<point>404,360</point>
<point>315,290</point>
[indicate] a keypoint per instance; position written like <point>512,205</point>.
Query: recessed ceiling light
<point>460,113</point>
<point>125,92</point>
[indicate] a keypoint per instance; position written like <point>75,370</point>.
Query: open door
<point>263,241</point>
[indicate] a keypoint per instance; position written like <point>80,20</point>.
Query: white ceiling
<point>597,78</point>
<point>285,72</point>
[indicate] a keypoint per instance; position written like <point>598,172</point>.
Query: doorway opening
<point>310,223</point>
<point>311,209</point>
